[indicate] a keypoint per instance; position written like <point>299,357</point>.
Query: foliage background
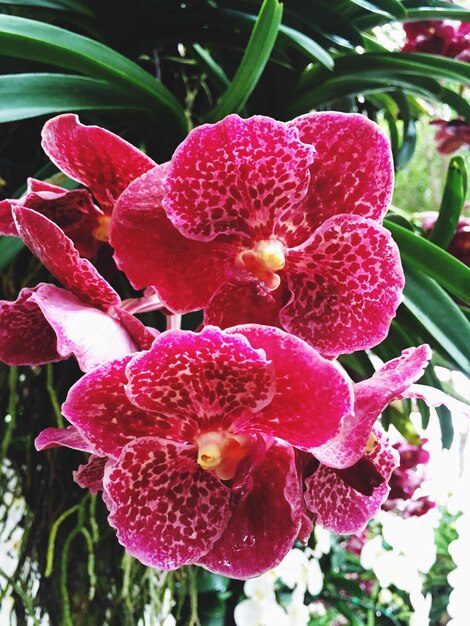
<point>150,71</point>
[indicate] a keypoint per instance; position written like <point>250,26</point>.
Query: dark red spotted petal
<point>167,511</point>
<point>235,176</point>
<point>151,252</point>
<point>347,283</point>
<point>200,381</point>
<point>91,335</point>
<point>7,223</point>
<point>90,475</point>
<point>34,185</point>
<point>312,394</point>
<point>73,211</point>
<point>58,254</point>
<point>26,337</point>
<point>352,171</point>
<point>56,437</point>
<point>250,303</point>
<point>388,383</point>
<point>337,505</point>
<point>93,156</point>
<point>99,408</point>
<point>265,521</point>
<point>143,336</point>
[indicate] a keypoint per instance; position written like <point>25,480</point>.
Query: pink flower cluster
<point>447,38</point>
<point>224,446</point>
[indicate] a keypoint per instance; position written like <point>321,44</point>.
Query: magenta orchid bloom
<point>47,323</point>
<point>452,135</point>
<point>445,37</point>
<point>347,481</point>
<point>259,221</point>
<point>92,156</point>
<point>196,437</point>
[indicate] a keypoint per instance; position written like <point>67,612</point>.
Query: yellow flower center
<point>101,232</point>
<point>221,452</point>
<point>263,261</point>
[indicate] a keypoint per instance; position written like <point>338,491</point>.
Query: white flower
<point>422,607</point>
<point>297,570</point>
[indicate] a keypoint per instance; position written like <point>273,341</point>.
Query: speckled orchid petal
<point>90,475</point>
<point>265,521</point>
<point>26,337</point>
<point>143,336</point>
<point>57,437</point>
<point>91,335</point>
<point>151,252</point>
<point>347,283</point>
<point>312,394</point>
<point>352,171</point>
<point>200,382</point>
<point>389,382</point>
<point>99,408</point>
<point>73,211</point>
<point>58,254</point>
<point>250,303</point>
<point>167,511</point>
<point>93,156</point>
<point>340,507</point>
<point>7,223</point>
<point>234,176</point>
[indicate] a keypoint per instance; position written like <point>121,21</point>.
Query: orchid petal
<point>151,252</point>
<point>347,283</point>
<point>7,223</point>
<point>199,382</point>
<point>58,254</point>
<point>435,397</point>
<point>264,523</point>
<point>373,395</point>
<point>312,394</point>
<point>352,171</point>
<point>26,337</point>
<point>69,437</point>
<point>93,156</point>
<point>338,506</point>
<point>90,475</point>
<point>250,303</point>
<point>234,176</point>
<point>167,511</point>
<point>90,334</point>
<point>99,408</point>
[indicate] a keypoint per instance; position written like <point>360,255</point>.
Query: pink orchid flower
<point>448,38</point>
<point>194,442</point>
<point>47,323</point>
<point>451,135</point>
<point>347,479</point>
<point>98,159</point>
<point>274,223</point>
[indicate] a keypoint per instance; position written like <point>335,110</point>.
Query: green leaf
<point>432,260</point>
<point>30,95</point>
<point>9,248</point>
<point>443,413</point>
<point>439,315</point>
<point>453,199</point>
<point>33,40</point>
<point>60,5</point>
<point>387,8</point>
<point>257,53</point>
<point>306,45</point>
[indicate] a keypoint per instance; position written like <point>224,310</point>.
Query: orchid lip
<point>221,452</point>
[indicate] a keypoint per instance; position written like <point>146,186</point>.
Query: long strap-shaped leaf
<point>432,260</point>
<point>437,312</point>
<point>30,39</point>
<point>257,53</point>
<point>453,199</point>
<point>30,95</point>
